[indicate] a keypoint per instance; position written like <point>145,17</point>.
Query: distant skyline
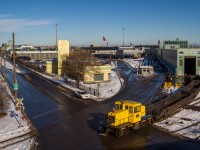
<point>85,22</point>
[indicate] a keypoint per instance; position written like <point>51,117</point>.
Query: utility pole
<point>123,36</point>
<point>14,68</point>
<point>4,67</point>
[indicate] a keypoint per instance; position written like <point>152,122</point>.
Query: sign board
<point>19,104</point>
<point>15,86</point>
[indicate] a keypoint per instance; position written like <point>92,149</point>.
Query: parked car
<point>82,94</point>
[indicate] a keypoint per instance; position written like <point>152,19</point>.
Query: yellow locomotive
<point>125,117</point>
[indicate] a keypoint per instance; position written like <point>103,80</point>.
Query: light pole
<point>123,35</point>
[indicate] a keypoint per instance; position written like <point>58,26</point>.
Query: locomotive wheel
<point>107,131</point>
<point>118,133</point>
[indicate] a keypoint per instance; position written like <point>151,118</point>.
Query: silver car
<point>82,94</point>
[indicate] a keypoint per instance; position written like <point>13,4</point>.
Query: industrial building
<point>36,55</point>
<point>175,44</point>
<point>117,52</point>
<point>180,62</point>
<point>179,59</point>
<point>183,61</point>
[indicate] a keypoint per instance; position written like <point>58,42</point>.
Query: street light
<point>123,36</point>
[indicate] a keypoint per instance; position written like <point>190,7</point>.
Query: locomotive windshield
<point>118,106</point>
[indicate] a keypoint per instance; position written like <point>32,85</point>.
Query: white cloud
<point>12,25</point>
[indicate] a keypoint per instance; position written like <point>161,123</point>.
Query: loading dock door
<point>190,65</point>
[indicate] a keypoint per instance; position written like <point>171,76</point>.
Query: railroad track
<point>31,134</point>
<point>168,106</point>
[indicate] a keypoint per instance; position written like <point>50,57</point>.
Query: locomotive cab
<point>126,111</point>
<point>125,117</point>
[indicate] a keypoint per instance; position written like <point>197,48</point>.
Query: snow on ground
<point>111,88</point>
<point>10,67</point>
<point>11,127</point>
<point>196,103</point>
<point>181,124</point>
<point>134,62</point>
<point>197,100</point>
<point>186,123</point>
<point>24,145</point>
<point>106,89</point>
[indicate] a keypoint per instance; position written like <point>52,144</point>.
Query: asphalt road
<point>65,122</point>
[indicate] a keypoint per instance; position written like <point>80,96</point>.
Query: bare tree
<point>78,63</point>
<point>3,101</point>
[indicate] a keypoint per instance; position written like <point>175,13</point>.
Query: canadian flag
<point>104,39</point>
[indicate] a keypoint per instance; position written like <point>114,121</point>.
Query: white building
<point>146,70</point>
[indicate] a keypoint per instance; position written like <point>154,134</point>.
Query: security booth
<point>146,70</point>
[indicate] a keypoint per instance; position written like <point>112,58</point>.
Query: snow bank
<point>186,123</point>
<point>133,62</point>
<point>12,127</point>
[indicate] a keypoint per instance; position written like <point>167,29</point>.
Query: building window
<point>198,62</point>
<point>181,62</point>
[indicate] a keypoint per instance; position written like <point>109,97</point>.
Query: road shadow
<point>94,121</point>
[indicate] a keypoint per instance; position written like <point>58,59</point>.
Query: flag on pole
<point>104,39</point>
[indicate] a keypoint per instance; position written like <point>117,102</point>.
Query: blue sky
<point>85,22</point>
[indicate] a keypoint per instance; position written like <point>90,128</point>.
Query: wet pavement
<point>65,122</point>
